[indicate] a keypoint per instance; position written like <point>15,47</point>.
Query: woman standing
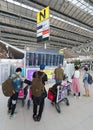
<point>75,82</point>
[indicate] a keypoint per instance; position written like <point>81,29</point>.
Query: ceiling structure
<point>71,24</point>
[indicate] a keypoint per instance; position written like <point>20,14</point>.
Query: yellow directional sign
<point>43,14</point>
<point>61,51</point>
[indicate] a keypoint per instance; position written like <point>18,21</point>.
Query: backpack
<point>90,80</point>
<point>7,87</point>
<point>59,74</point>
<point>37,86</point>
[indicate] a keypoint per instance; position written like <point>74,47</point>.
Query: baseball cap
<point>42,66</point>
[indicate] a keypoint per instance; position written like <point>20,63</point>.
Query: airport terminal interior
<point>50,33</point>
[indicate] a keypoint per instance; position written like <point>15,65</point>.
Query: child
<point>13,99</point>
<point>75,82</point>
<point>85,80</point>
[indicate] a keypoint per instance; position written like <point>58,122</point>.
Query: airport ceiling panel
<point>33,14</point>
<point>71,28</point>
<point>71,8</point>
<point>72,25</point>
<point>52,3</point>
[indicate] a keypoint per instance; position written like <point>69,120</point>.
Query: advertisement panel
<point>30,71</point>
<point>50,73</point>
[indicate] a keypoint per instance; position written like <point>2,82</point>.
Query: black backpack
<point>90,79</point>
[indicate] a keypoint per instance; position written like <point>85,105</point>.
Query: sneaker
<point>15,112</point>
<point>9,112</point>
<point>35,117</point>
<point>38,118</point>
<point>13,115</point>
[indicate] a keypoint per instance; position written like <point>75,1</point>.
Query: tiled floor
<point>77,116</point>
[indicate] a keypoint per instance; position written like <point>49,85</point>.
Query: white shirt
<point>77,74</point>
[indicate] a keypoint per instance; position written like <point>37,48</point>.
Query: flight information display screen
<point>36,58</point>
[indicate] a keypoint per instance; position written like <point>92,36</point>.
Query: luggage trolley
<point>29,98</point>
<point>23,94</point>
<point>59,96</point>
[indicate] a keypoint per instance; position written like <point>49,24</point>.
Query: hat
<point>42,66</point>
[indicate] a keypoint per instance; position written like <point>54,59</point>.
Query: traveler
<point>59,74</point>
<point>38,84</point>
<point>17,81</point>
<point>85,80</point>
<point>75,82</point>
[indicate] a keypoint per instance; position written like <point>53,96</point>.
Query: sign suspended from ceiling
<point>43,25</point>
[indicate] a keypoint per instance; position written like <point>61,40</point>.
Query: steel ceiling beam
<point>61,13</point>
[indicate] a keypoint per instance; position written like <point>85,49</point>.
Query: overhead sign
<point>43,15</point>
<point>61,51</point>
<point>43,25</point>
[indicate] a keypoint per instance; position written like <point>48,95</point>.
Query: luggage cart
<point>20,97</point>
<point>23,94</point>
<point>29,98</point>
<point>69,91</point>
<point>59,96</point>
<point>68,82</point>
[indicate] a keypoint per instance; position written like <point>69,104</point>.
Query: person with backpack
<point>16,82</point>
<point>86,84</point>
<point>59,74</point>
<point>38,87</point>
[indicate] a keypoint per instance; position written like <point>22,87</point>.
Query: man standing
<point>38,84</point>
<point>59,74</point>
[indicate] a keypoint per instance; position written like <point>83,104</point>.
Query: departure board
<point>37,58</point>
